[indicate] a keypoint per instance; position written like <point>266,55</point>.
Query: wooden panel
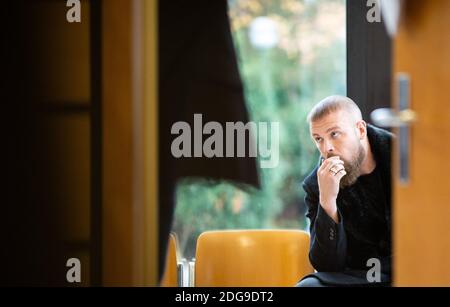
<point>422,208</point>
<point>61,53</point>
<point>129,112</point>
<point>68,150</point>
<point>117,143</point>
<point>150,141</point>
<point>57,72</point>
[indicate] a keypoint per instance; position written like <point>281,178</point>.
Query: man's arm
<point>328,241</point>
<point>328,247</point>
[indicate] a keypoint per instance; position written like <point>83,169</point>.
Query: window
<point>291,53</point>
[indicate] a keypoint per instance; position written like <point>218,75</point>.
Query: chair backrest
<point>170,277</point>
<point>254,258</point>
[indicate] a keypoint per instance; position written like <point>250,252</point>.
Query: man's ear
<point>361,126</point>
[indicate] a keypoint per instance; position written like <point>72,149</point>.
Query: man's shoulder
<point>379,137</point>
<point>380,141</point>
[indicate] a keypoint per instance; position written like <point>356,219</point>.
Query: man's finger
<point>332,160</point>
<point>337,168</point>
<point>329,164</point>
<point>335,164</point>
<point>341,173</point>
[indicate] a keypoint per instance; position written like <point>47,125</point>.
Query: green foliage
<point>281,84</point>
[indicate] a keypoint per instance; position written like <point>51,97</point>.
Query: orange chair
<point>170,277</point>
<point>254,258</point>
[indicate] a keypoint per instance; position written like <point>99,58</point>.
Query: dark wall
<point>48,109</point>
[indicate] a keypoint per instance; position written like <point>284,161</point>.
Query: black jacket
<point>342,247</point>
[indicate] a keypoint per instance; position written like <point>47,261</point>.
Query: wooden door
<point>421,211</point>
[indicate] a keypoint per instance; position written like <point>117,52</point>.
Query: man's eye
<point>318,140</point>
<point>334,134</point>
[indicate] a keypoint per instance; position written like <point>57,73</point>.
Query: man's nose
<point>328,146</point>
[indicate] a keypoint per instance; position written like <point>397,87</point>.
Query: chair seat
<point>256,258</point>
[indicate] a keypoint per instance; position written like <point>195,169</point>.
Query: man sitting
<point>348,196</point>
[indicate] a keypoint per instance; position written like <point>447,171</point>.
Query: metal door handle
<point>390,118</point>
<point>402,120</point>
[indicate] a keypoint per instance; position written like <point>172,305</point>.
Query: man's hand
<point>329,176</point>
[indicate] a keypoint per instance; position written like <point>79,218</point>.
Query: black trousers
<point>349,278</point>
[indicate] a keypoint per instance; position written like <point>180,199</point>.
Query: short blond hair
<point>332,104</point>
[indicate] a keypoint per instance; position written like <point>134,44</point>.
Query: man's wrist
<point>330,208</point>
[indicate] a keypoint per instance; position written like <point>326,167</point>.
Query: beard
<point>352,167</point>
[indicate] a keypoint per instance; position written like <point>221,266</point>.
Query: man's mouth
<point>329,155</point>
